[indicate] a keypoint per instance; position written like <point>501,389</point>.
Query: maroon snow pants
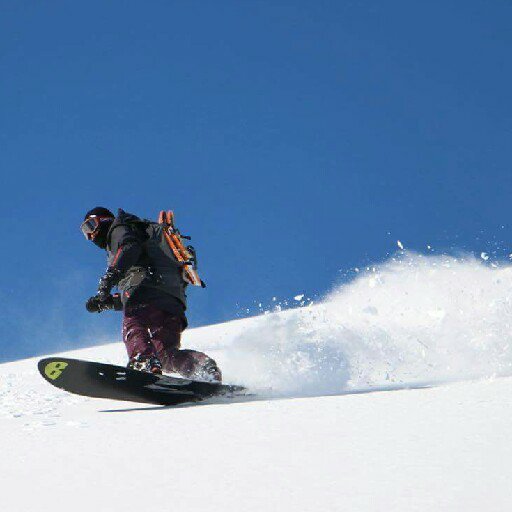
<point>149,331</point>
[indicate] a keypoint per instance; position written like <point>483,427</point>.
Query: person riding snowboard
<point>152,294</point>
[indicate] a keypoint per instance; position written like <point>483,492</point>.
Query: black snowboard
<point>100,380</point>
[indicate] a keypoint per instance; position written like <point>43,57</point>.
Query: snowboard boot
<point>150,364</point>
<point>209,372</point>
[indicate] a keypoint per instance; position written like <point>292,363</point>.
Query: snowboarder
<point>152,294</point>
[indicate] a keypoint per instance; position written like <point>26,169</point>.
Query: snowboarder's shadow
<point>269,396</point>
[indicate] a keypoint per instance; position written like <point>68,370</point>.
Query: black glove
<point>97,305</point>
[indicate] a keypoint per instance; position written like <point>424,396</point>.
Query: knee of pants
<point>167,337</point>
<point>187,362</point>
<point>194,355</point>
<point>136,341</point>
<point>131,333</point>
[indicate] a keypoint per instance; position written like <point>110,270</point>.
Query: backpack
<point>186,255</point>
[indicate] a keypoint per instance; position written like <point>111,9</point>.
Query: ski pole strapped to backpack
<point>185,255</point>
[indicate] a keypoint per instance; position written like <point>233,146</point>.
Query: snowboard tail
<point>100,380</point>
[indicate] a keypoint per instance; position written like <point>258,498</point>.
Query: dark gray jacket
<point>144,263</point>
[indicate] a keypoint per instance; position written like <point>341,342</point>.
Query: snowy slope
<point>392,394</point>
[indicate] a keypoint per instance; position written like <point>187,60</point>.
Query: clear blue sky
<point>294,140</point>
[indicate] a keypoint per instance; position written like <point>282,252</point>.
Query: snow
<point>394,393</point>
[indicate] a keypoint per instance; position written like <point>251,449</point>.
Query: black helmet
<point>96,224</point>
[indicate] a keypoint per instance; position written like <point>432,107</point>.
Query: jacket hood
<point>122,217</point>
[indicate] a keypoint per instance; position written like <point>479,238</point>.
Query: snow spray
<point>414,318</point>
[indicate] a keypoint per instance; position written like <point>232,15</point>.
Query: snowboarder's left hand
<point>97,304</point>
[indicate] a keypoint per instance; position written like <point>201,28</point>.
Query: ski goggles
<point>91,225</point>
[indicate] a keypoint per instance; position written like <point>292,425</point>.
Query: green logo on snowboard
<point>53,370</point>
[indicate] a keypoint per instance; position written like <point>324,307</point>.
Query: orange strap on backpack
<point>181,253</point>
